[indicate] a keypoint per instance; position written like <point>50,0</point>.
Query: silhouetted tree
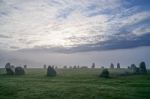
<point>51,71</point>
<point>19,71</point>
<point>142,68</point>
<point>112,66</point>
<point>93,65</point>
<point>118,65</point>
<point>105,73</point>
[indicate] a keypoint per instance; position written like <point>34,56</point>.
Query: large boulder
<point>51,71</point>
<point>105,73</point>
<point>19,71</point>
<point>10,69</point>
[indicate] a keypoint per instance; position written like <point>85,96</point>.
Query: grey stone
<point>105,73</point>
<point>19,71</point>
<point>142,68</point>
<point>51,71</point>
<point>10,69</point>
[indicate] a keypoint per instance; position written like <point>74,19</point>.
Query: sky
<point>74,32</point>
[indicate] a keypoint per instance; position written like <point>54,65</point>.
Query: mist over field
<point>103,58</point>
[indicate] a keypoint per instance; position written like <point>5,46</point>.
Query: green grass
<point>74,84</point>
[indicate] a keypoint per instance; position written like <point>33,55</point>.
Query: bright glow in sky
<point>69,23</point>
<point>69,26</point>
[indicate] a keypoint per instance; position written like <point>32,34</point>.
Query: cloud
<point>116,42</point>
<point>4,36</point>
<point>73,25</point>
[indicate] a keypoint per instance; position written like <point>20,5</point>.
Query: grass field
<point>74,84</point>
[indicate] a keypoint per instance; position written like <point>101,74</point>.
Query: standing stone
<point>74,67</point>
<point>112,66</point>
<point>128,67</point>
<point>44,66</point>
<point>93,65</point>
<point>118,65</point>
<point>134,69</point>
<point>142,68</point>
<point>19,71</point>
<point>102,67</point>
<point>56,67</point>
<point>10,69</point>
<point>105,73</point>
<point>137,71</point>
<point>25,66</point>
<point>51,71</point>
<point>65,67</point>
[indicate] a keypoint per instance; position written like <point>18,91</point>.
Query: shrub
<point>105,73</point>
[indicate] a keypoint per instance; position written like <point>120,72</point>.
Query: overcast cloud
<point>73,26</point>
